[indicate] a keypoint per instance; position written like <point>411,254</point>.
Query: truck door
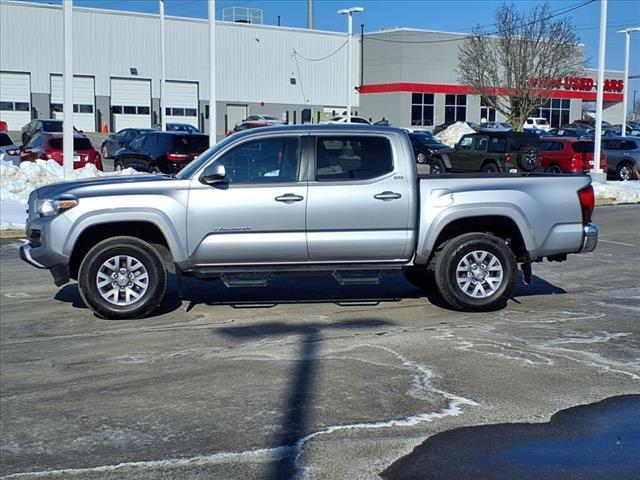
<point>257,214</point>
<point>358,207</point>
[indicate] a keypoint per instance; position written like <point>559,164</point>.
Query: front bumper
<point>589,238</point>
<point>59,272</point>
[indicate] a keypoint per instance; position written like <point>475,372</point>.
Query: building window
<point>556,111</point>
<point>422,109</point>
<point>455,108</point>
<point>486,111</point>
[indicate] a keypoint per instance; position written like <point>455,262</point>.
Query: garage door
<point>130,103</point>
<point>15,99</point>
<point>83,101</point>
<point>181,102</point>
<point>235,114</point>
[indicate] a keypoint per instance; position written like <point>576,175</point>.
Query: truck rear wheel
<point>122,277</point>
<point>476,272</point>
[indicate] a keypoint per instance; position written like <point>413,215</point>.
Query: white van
<point>537,123</point>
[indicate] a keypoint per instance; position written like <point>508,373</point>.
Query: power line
<point>295,53</point>
<point>552,15</point>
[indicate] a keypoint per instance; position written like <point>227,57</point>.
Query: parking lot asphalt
<point>303,378</point>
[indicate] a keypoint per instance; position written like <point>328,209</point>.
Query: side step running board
<point>354,277</point>
<point>235,280</point>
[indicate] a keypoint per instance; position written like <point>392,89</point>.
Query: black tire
<point>625,171</point>
<point>437,166</point>
<point>117,165</point>
<point>105,151</point>
<point>446,272</point>
<point>101,253</point>
<point>554,169</point>
<point>154,169</point>
<point>528,159</point>
<point>490,167</point>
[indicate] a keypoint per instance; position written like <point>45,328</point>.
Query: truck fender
<point>150,215</point>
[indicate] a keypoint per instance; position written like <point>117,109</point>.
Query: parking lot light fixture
<point>212,73</point>
<point>349,12</point>
<point>596,172</point>
<point>163,113</point>
<point>627,32</point>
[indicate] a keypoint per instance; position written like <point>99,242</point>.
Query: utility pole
<point>310,14</point>
<point>67,100</point>
<point>212,73</point>
<point>596,172</point>
<point>163,112</point>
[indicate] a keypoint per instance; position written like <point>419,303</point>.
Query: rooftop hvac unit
<point>242,15</point>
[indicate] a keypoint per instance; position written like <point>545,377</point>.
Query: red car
<point>48,146</point>
<point>3,126</point>
<point>568,155</point>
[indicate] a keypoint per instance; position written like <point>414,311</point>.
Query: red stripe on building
<point>465,90</point>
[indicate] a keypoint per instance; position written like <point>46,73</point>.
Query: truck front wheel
<point>122,277</point>
<point>476,272</point>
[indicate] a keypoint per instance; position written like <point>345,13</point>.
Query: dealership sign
<point>583,84</point>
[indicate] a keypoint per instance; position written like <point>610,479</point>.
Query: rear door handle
<point>386,196</point>
<point>289,198</point>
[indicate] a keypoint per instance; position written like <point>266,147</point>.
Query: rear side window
<point>352,158</point>
<point>550,146</point>
<point>52,126</point>
<point>583,147</point>
<point>497,145</point>
<point>629,145</point>
<point>191,143</point>
<point>78,144</point>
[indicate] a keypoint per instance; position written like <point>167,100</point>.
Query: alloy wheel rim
<point>422,157</point>
<point>479,274</point>
<point>122,280</point>
<point>625,172</point>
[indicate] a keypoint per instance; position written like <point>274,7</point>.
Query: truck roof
<point>325,127</point>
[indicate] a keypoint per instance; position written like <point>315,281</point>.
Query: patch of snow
<point>619,192</point>
<point>453,133</point>
<point>18,181</point>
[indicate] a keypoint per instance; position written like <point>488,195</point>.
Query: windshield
<point>188,171</point>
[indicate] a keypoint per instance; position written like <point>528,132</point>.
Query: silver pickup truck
<point>342,199</point>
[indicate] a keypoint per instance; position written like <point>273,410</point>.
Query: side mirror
<point>214,173</point>
<point>456,146</point>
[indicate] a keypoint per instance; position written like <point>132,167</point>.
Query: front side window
<point>465,143</point>
<point>137,143</point>
<point>271,160</point>
<point>352,158</point>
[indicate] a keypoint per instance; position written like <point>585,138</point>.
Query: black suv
<point>491,152</point>
<point>34,127</point>
<point>161,152</point>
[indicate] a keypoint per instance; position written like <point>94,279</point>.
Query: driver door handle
<point>289,198</point>
<point>386,196</point>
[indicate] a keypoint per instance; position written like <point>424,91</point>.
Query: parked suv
<point>161,152</point>
<point>568,155</point>
<point>116,141</point>
<point>623,157</point>
<point>491,152</point>
<point>425,145</point>
<point>34,127</point>
<point>48,146</point>
<point>537,123</point>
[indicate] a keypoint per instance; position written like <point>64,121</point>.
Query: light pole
<point>67,98</point>
<point>212,73</point>
<point>633,107</point>
<point>627,32</point>
<point>349,12</point>
<point>596,172</point>
<point>163,113</point>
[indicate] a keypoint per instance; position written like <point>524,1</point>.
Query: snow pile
<point>618,192</point>
<point>452,134</point>
<point>16,182</point>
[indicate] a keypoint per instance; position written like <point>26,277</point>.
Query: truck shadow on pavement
<point>300,290</point>
<point>299,396</point>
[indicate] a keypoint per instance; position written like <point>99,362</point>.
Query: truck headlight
<point>49,207</point>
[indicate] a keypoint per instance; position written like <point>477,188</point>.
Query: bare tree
<point>516,67</point>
